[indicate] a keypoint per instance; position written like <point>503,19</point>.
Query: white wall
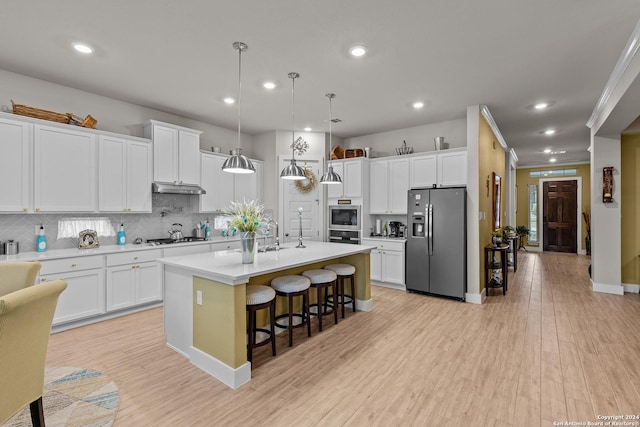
<point>112,115</point>
<point>605,219</point>
<point>264,147</point>
<point>472,125</point>
<point>419,137</point>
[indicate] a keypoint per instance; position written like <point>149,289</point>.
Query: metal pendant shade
<point>239,163</point>
<point>293,171</point>
<point>330,177</point>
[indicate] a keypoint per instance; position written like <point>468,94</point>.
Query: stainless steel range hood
<point>160,187</point>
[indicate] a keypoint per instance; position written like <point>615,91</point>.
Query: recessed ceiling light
<point>358,50</point>
<point>418,104</point>
<point>269,85</point>
<point>547,151</point>
<point>549,131</point>
<point>229,101</point>
<point>541,106</point>
<point>307,129</point>
<point>552,160</point>
<point>82,48</point>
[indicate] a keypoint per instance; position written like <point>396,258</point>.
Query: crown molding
<point>552,165</point>
<point>514,156</point>
<point>630,50</point>
<point>494,127</point>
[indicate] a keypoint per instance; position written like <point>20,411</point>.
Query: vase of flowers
<point>247,218</point>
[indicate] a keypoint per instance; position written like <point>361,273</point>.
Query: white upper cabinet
<point>389,184</point>
<point>125,175</point>
<point>65,170</point>
<point>15,166</point>
<point>423,171</point>
<point>452,168</point>
<point>446,168</point>
<point>223,187</point>
<point>248,186</point>
<point>176,153</point>
<point>350,170</point>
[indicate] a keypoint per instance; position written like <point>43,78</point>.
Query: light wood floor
<point>551,350</point>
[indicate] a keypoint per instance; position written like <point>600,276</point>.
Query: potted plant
<point>496,237</point>
<point>522,231</point>
<point>247,218</point>
<point>509,231</point>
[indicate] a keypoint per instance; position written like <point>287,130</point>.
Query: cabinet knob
<point>25,209</point>
<point>124,209</point>
<point>37,209</point>
<point>43,279</point>
<point>129,209</point>
<point>73,265</point>
<point>135,257</point>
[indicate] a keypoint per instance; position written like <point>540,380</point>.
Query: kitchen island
<point>204,299</point>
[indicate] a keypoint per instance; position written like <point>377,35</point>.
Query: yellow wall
<point>491,158</point>
<point>630,208</point>
<point>523,181</point>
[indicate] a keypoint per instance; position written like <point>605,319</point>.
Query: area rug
<point>74,397</point>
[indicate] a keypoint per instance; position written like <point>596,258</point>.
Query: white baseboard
<point>362,305</point>
<point>607,288</point>
<point>234,378</point>
<point>631,288</point>
<point>177,350</point>
<point>475,298</point>
<point>390,285</point>
<point>102,317</point>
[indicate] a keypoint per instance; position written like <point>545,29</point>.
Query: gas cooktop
<point>169,241</point>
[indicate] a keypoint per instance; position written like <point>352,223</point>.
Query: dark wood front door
<point>559,216</point>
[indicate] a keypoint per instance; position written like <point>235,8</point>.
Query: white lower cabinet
<point>85,293</point>
<point>133,278</point>
<point>387,261</point>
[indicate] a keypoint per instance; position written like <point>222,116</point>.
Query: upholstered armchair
<point>25,324</point>
<point>17,275</point>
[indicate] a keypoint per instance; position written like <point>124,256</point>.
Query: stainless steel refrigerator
<point>436,261</point>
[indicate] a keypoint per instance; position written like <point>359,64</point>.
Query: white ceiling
<point>177,56</point>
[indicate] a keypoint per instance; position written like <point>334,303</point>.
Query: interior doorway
<point>560,215</point>
<point>293,198</point>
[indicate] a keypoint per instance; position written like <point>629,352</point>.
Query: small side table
<point>490,267</point>
<point>513,250</point>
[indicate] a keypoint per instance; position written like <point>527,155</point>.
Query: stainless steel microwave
<point>345,217</point>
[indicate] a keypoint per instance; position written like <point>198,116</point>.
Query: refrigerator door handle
<point>430,244</point>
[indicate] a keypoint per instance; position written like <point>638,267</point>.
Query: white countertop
<point>103,250</point>
<point>385,239</point>
<point>226,266</point>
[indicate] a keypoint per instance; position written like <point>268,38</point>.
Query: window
<point>533,213</point>
<point>553,173</point>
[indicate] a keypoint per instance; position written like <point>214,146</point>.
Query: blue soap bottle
<point>41,240</point>
<point>122,236</point>
<point>207,231</point>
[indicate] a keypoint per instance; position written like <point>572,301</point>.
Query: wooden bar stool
<point>290,287</point>
<point>323,279</point>
<point>260,297</point>
<point>343,271</point>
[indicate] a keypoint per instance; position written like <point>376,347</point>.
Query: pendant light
<point>239,163</point>
<point>293,171</point>
<point>330,177</point>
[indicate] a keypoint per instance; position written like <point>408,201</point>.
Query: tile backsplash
<point>167,209</point>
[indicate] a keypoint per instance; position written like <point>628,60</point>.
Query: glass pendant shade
<point>330,177</point>
<point>292,171</point>
<point>239,163</point>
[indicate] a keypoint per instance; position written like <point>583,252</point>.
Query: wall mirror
<point>496,201</point>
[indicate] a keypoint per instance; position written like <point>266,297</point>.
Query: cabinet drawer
<point>385,245</point>
<point>223,246</point>
<point>133,257</point>
<point>71,264</point>
<point>186,250</point>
